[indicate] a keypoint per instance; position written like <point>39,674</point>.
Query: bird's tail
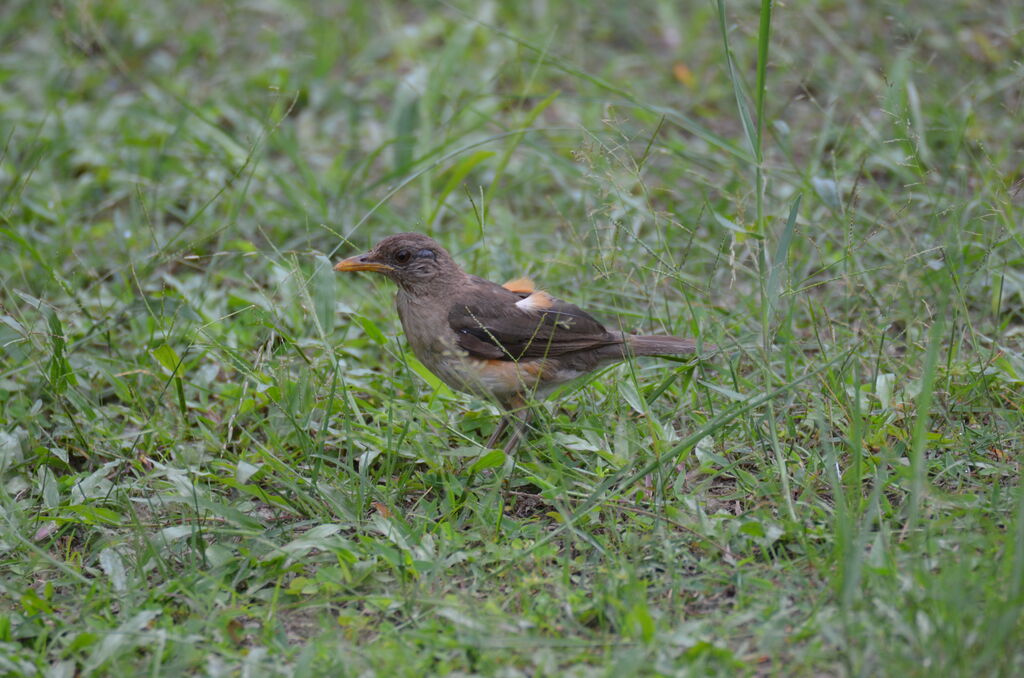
<point>632,345</point>
<point>655,345</point>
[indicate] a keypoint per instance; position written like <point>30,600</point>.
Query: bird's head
<point>414,261</point>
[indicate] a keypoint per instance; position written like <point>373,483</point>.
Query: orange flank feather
<point>521,285</point>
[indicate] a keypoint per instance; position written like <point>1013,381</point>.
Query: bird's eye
<point>402,256</point>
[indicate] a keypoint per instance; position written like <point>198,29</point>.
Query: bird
<point>507,343</point>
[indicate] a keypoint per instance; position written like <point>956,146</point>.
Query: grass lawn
<point>218,457</point>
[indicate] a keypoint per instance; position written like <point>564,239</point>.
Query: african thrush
<point>502,342</point>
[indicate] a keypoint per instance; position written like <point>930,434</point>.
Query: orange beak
<point>361,262</point>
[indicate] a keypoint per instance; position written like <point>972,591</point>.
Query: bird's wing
<point>497,323</point>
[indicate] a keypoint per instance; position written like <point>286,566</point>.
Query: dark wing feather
<point>490,326</point>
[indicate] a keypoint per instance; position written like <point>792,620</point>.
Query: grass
<point>219,458</point>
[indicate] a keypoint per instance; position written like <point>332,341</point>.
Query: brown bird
<point>503,342</point>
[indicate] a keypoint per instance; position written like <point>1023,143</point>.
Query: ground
<point>218,457</point>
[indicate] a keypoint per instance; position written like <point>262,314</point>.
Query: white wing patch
<point>538,301</point>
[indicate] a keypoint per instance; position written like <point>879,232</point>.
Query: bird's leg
<point>498,430</point>
<point>520,411</point>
